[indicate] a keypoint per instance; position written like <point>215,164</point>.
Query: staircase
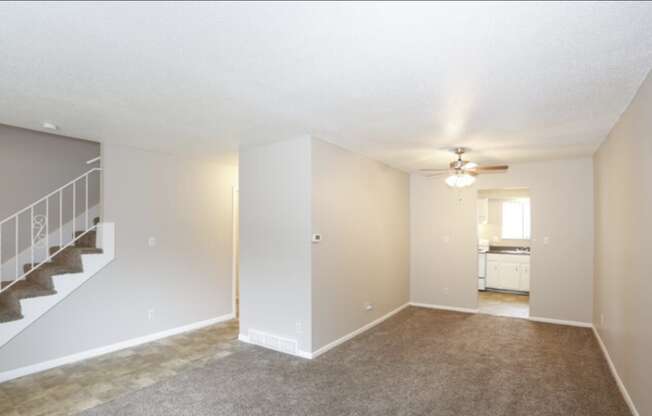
<point>52,272</point>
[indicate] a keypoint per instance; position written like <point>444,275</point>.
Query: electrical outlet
<point>368,306</point>
<point>299,327</point>
<point>150,314</point>
<point>601,319</point>
<point>546,240</point>
<point>446,239</point>
<point>446,291</point>
<point>151,242</point>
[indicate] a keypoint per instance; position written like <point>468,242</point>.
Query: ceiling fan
<point>462,173</point>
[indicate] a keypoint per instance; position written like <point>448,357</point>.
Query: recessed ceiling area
<point>397,82</point>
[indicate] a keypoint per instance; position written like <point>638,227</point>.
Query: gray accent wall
<point>33,163</point>
<point>444,238</point>
<point>360,207</point>
<point>623,264</point>
<point>185,278</point>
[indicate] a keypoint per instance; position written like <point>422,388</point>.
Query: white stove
<point>483,247</point>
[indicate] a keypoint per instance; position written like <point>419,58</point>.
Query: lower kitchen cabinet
<point>510,276</point>
<point>524,277</point>
<point>509,272</point>
<point>493,274</point>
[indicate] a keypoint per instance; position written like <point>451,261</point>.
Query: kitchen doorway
<point>504,228</point>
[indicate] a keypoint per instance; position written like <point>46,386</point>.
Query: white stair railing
<point>41,234</point>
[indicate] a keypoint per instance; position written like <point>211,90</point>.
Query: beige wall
<point>492,230</point>
<point>361,209</point>
<point>444,238</point>
<point>185,278</point>
<point>275,182</point>
<point>623,264</point>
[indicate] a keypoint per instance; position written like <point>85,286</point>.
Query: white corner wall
<point>623,264</point>
<point>315,294</point>
<point>361,209</point>
<point>186,278</point>
<point>275,228</point>
<point>443,238</point>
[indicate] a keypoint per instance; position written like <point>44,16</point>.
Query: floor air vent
<point>273,342</point>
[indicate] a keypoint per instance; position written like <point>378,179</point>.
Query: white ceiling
<point>395,81</point>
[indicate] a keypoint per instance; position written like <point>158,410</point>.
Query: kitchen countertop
<point>516,251</point>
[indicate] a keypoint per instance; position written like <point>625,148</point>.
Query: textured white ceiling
<point>395,81</point>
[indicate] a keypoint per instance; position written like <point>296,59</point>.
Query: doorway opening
<point>504,228</point>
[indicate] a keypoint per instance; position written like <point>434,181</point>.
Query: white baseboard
<point>358,331</point>
<point>444,307</point>
<point>612,367</point>
<point>57,362</point>
<point>531,318</point>
<point>561,322</point>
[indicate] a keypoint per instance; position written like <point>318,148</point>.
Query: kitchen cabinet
<point>524,277</point>
<point>483,211</point>
<point>508,272</point>
<point>493,274</point>
<point>510,276</point>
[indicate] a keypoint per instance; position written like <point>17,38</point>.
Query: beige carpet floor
<point>420,362</point>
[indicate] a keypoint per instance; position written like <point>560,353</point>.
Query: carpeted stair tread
<point>26,289</point>
<point>9,308</point>
<point>51,268</point>
<point>39,280</point>
<point>80,249</point>
<point>85,239</point>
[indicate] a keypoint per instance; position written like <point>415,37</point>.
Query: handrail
<point>49,195</point>
<point>41,224</point>
<point>49,258</point>
<point>95,159</point>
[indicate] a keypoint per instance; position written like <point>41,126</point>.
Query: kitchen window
<point>516,220</point>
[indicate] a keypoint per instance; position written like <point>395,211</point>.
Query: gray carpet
<point>420,362</point>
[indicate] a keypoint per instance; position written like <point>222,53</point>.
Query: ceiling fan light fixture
<point>460,180</point>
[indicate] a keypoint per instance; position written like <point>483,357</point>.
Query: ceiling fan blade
<point>431,175</point>
<point>489,169</point>
<point>469,165</point>
<point>433,170</point>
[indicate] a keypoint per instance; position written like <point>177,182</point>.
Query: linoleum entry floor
<point>72,388</point>
<point>504,304</point>
<point>419,362</point>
